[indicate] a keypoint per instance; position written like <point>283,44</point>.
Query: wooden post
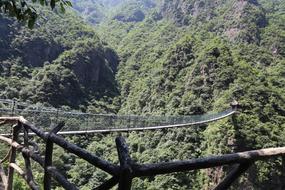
<point>125,182</point>
<point>48,162</point>
<point>29,173</point>
<point>3,176</point>
<point>282,172</point>
<point>108,184</point>
<point>233,175</point>
<point>127,169</point>
<point>48,156</point>
<point>61,179</point>
<point>84,154</point>
<point>12,159</point>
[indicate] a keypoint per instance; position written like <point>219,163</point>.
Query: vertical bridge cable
<point>13,108</point>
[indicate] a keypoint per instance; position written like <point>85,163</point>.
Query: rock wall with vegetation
<point>60,62</point>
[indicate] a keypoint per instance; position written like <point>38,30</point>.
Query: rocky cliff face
<point>183,11</point>
<point>136,16</point>
<point>242,18</point>
<point>244,21</point>
<point>35,52</point>
<point>7,31</point>
<point>94,69</point>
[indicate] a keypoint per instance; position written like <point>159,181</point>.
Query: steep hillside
<point>177,57</point>
<point>190,57</point>
<point>63,65</point>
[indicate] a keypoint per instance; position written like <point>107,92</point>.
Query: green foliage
<point>25,11</point>
<point>184,57</point>
<point>78,70</point>
<point>201,69</point>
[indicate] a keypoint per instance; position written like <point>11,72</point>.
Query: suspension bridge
<point>86,123</point>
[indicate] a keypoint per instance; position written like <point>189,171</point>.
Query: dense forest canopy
<point>158,57</point>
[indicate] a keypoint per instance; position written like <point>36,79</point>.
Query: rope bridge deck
<point>85,123</point>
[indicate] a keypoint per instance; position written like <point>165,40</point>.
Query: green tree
<point>26,11</point>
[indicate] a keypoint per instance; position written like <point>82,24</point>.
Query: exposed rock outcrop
<point>136,16</point>
<point>243,18</point>
<point>35,52</point>
<point>244,21</point>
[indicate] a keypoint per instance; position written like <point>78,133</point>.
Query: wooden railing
<point>123,173</point>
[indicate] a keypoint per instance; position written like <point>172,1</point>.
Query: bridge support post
<point>125,181</point>
<point>235,105</point>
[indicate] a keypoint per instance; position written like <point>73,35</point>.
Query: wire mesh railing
<point>78,121</point>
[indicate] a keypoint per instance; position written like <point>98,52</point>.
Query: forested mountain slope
<point>61,62</point>
<point>198,57</point>
<point>160,57</point>
<point>191,57</point>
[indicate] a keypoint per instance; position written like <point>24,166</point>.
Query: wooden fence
<point>122,174</point>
